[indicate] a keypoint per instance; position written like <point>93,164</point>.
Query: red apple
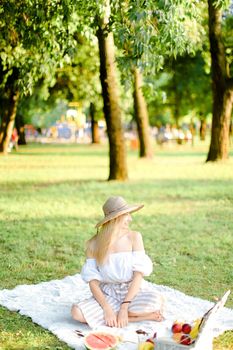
<point>186,328</point>
<point>177,327</point>
<point>185,340</point>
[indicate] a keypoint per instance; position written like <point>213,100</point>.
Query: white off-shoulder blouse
<point>118,268</point>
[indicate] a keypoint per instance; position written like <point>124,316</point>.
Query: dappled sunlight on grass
<point>19,333</point>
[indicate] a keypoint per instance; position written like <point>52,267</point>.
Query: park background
<point>78,110</point>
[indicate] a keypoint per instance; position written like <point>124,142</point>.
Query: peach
<point>176,337</point>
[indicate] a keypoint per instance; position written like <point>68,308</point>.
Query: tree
<point>148,34</point>
<point>141,116</point>
<point>95,21</point>
<point>222,86</point>
<point>33,41</point>
<point>112,112</point>
<point>20,124</point>
<point>140,113</point>
<point>94,125</point>
<point>9,102</point>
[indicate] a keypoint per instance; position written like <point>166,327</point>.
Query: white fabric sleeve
<point>142,262</point>
<point>90,271</point>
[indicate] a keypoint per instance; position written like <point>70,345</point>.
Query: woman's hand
<point>110,316</point>
<point>122,317</point>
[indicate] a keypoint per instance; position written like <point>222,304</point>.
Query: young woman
<point>115,265</point>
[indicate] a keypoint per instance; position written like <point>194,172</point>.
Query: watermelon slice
<point>100,341</point>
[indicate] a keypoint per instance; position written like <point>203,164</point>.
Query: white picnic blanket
<point>48,304</point>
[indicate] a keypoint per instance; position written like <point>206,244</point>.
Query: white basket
<point>205,336</point>
<point>164,344</point>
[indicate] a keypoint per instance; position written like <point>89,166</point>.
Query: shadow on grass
<point>180,154</point>
<point>63,154</point>
<point>177,189</point>
<point>37,149</point>
<point>24,185</point>
<point>85,150</point>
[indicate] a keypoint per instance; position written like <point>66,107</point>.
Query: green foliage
<point>182,87</point>
<point>41,109</point>
<point>151,35</point>
<point>222,3</point>
<point>79,80</point>
<point>44,115</point>
<point>34,39</point>
<point>228,37</point>
<point>148,32</point>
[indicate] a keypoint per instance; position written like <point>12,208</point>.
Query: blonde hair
<point>98,246</point>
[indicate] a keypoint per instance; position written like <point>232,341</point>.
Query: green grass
<point>51,198</point>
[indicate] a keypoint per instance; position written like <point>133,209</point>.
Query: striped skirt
<point>147,300</point>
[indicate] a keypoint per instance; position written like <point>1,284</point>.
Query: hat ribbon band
<point>115,210</point>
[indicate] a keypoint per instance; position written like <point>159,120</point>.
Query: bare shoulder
<point>137,241</point>
<point>135,235</point>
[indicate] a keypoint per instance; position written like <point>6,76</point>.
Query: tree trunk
<point>94,125</point>
<point>112,112</point>
<point>202,130</point>
<point>177,97</point>
<point>19,124</point>
<point>193,131</point>
<point>141,116</point>
<point>221,88</point>
<point>7,120</point>
<point>177,112</point>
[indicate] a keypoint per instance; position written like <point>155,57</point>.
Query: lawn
<point>51,198</point>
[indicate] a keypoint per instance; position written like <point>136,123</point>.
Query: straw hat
<point>116,206</point>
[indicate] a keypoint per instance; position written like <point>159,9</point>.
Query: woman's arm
<point>137,244</point>
<point>134,286</point>
<point>122,319</point>
<point>109,315</point>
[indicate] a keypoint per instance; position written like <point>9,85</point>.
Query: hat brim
<point>130,209</point>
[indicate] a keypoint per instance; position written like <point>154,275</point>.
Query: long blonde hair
<point>98,246</point>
